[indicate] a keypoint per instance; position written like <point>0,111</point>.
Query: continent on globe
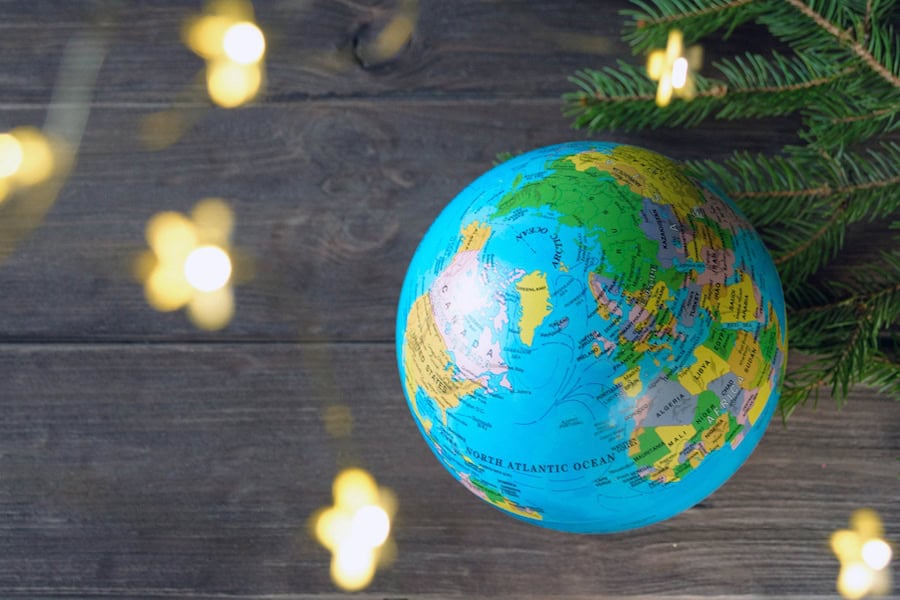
<point>589,340</point>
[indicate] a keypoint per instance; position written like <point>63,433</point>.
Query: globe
<point>589,340</point>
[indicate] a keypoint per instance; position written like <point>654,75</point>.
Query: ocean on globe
<point>589,340</point>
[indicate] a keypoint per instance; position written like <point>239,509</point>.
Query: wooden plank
<point>331,200</point>
<point>465,48</point>
<point>189,471</point>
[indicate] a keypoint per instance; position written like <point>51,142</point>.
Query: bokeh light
<point>356,529</point>
<point>37,163</point>
<point>207,268</point>
<point>876,554</point>
<point>864,557</point>
<point>244,43</point>
<point>234,48</point>
<point>855,580</point>
<point>11,154</point>
<point>673,68</point>
<point>232,84</point>
<point>27,158</point>
<point>189,264</point>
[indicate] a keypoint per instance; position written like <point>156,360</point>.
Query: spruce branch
<point>650,23</point>
<point>828,23</point>
<point>752,86</point>
<point>842,77</point>
<point>841,325</point>
<point>616,98</point>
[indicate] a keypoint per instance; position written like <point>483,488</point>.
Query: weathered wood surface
<point>140,458</point>
<point>168,470</point>
<point>332,199</point>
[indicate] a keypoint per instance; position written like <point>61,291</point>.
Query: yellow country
<point>474,236</point>
<point>630,382</point>
<point>426,363</point>
<point>709,366</point>
<point>738,303</point>
<point>535,300</point>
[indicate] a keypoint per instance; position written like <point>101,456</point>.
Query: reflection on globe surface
<point>589,340</point>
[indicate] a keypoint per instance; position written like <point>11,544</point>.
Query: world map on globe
<point>589,340</point>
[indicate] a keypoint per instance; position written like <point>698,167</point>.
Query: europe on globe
<point>589,340</point>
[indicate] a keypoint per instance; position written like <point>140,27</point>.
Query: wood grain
<point>310,48</point>
<point>331,200</point>
<point>512,49</point>
<point>142,459</point>
<point>117,482</point>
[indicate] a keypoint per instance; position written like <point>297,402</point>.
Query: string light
<point>356,529</point>
<point>234,48</point>
<point>27,158</point>
<point>189,264</point>
<point>864,557</point>
<point>673,68</point>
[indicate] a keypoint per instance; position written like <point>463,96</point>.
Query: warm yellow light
<point>37,160</point>
<point>214,221</point>
<point>4,190</point>
<point>208,268</point>
<point>353,566</point>
<point>845,544</point>
<point>354,488</point>
<point>679,73</point>
<point>656,64</point>
<point>664,91</point>
<point>854,581</point>
<point>212,310</point>
<point>244,43</point>
<point>166,288</point>
<point>876,554</point>
<point>333,527</point>
<point>672,69</point>
<point>206,34</point>
<point>11,155</point>
<point>356,529</point>
<point>867,523</point>
<point>172,236</point>
<point>371,526</point>
<point>231,84</point>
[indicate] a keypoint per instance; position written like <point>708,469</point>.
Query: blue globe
<point>589,340</point>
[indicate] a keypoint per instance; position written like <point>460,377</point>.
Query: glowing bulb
<point>37,161</point>
<point>656,63</point>
<point>354,488</point>
<point>876,554</point>
<point>166,289</point>
<point>171,235</point>
<point>353,566</point>
<point>205,35</point>
<point>855,581</point>
<point>231,84</point>
<point>867,523</point>
<point>333,528</point>
<point>208,268</point>
<point>244,43</point>
<point>212,310</point>
<point>371,526</point>
<point>679,73</point>
<point>11,155</point>
<point>845,543</point>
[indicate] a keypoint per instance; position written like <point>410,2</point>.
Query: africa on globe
<point>589,340</point>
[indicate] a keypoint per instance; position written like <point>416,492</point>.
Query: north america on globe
<point>589,340</point>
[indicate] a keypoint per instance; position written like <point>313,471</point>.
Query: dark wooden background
<point>141,458</point>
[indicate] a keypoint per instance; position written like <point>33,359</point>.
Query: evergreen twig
<point>842,77</point>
